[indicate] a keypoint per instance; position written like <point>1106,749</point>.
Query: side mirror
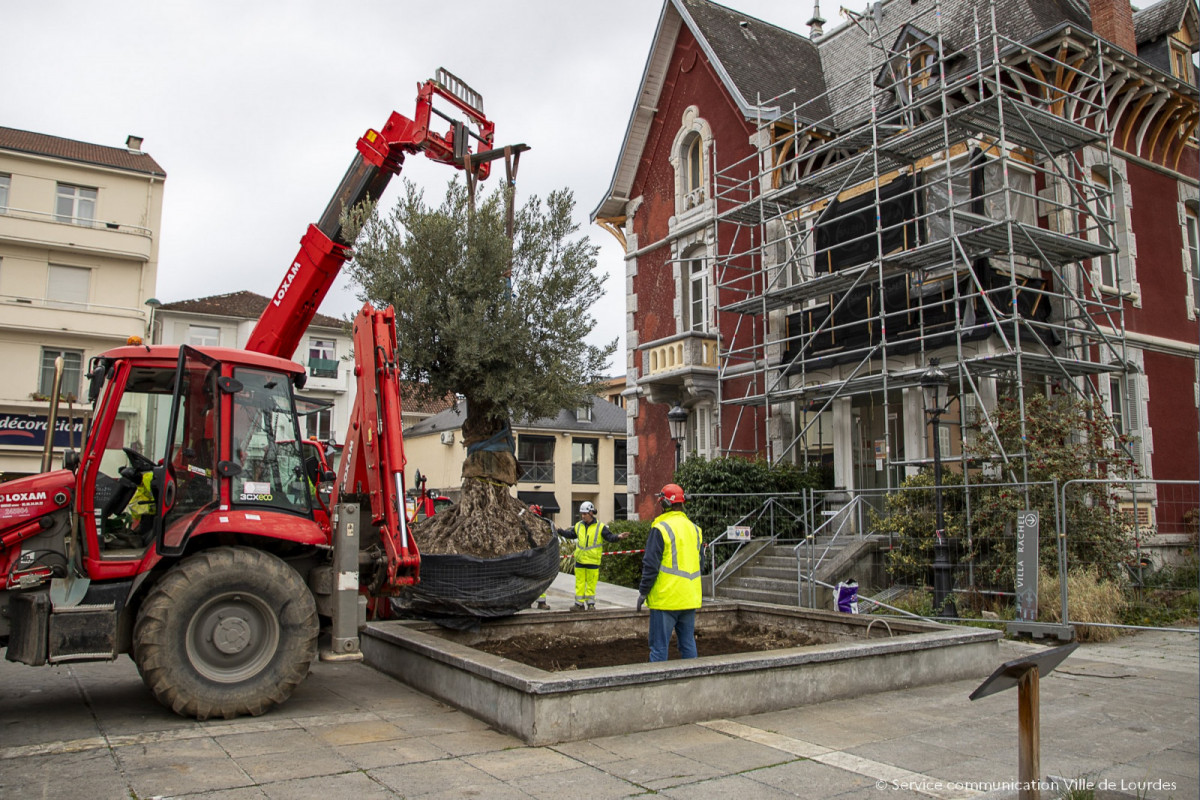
<point>328,476</point>
<point>96,382</point>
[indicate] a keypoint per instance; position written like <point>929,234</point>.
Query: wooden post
<point>1024,673</point>
<point>1029,745</point>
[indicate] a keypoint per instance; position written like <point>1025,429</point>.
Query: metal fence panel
<point>1139,537</point>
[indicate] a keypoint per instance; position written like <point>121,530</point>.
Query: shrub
<point>1090,598</point>
<point>625,570</point>
<point>733,491</point>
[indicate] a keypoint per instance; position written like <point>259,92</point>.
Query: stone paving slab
<point>1124,712</point>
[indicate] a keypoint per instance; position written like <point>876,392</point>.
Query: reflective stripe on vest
<point>674,568</point>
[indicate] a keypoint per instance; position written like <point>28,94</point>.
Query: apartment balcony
<point>91,237</point>
<point>323,368</point>
<point>536,471</point>
<point>35,318</point>
<point>585,473</point>
<point>679,367</point>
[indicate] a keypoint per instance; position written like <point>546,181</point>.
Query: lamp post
<point>153,303</point>
<point>677,418</point>
<point>934,383</point>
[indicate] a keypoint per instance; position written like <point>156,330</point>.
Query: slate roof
<point>81,152</point>
<point>606,418</point>
<point>1159,19</point>
<point>850,61</point>
<point>763,60</point>
<point>758,61</point>
<point>243,305</point>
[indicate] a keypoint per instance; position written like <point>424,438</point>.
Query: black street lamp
<point>677,418</point>
<point>934,383</point>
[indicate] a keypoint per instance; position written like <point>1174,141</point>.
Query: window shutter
<point>1133,419</point>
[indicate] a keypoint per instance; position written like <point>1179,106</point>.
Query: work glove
<point>641,601</point>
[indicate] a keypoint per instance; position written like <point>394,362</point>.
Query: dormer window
<point>1181,61</point>
<point>913,65</point>
<point>922,63</point>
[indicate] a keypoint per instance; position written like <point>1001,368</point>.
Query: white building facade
<point>79,240</point>
<point>226,321</point>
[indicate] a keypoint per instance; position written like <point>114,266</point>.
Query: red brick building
<point>810,220</point>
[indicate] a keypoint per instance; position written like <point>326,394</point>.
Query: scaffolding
<point>947,201</point>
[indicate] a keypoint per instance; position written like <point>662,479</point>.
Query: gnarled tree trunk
<point>487,521</point>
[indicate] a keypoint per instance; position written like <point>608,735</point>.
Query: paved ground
<point>1122,716</point>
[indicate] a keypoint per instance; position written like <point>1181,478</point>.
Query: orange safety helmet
<point>672,493</point>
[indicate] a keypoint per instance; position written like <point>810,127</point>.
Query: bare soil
<point>559,653</point>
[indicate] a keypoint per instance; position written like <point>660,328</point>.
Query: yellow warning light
<point>371,136</point>
<point>134,340</point>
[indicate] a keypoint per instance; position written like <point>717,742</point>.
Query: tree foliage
<point>1064,438</point>
<point>509,336</point>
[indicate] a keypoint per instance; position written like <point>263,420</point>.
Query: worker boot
<point>543,605</point>
<point>591,607</point>
<point>578,607</point>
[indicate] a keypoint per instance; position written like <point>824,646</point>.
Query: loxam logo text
<point>287,283</point>
<point>22,497</point>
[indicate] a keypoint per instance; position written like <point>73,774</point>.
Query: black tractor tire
<point>226,632</point>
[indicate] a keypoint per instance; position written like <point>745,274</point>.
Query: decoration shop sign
<point>29,430</point>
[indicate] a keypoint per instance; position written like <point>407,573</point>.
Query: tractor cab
<point>179,434</point>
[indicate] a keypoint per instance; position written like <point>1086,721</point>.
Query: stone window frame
<point>1189,200</point>
<point>1126,256</point>
<point>692,125</point>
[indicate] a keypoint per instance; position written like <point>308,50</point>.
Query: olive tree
<point>502,323</point>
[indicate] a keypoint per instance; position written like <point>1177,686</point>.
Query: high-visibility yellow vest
<point>678,584</point>
<point>143,499</point>
<point>589,542</point>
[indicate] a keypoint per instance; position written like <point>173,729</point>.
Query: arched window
<point>689,152</point>
<point>693,163</point>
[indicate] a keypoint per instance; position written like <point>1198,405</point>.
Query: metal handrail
<point>844,514</point>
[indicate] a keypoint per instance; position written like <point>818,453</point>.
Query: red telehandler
<point>186,531</point>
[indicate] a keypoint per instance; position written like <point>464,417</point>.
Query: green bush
<point>733,490</point>
<point>737,475</point>
<point>625,570</point>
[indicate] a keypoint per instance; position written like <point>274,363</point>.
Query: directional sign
<point>1026,585</point>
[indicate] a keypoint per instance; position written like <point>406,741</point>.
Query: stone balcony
<point>679,367</point>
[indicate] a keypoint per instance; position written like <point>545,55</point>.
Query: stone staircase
<point>771,575</point>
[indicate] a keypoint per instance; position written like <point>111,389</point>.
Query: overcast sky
<point>253,108</point>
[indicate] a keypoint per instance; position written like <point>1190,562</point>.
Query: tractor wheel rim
<point>232,637</point>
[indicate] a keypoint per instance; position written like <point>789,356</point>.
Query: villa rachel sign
<point>1026,583</point>
<point>29,430</point>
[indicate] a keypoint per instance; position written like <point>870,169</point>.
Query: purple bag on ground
<point>846,597</point>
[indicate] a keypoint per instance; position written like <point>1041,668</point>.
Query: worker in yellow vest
<point>670,583</point>
<point>589,536</point>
